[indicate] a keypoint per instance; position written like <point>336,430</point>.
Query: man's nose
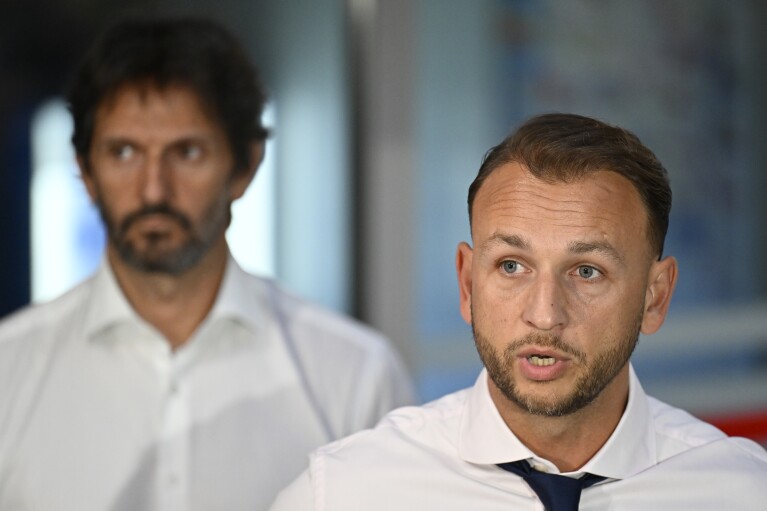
<point>156,183</point>
<point>545,307</point>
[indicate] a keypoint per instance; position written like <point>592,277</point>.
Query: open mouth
<point>541,360</point>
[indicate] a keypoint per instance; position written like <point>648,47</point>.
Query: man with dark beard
<point>568,218</point>
<point>172,379</point>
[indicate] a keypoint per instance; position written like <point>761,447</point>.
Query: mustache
<point>545,341</point>
<point>156,209</point>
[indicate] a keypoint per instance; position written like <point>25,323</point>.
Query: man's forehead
<point>513,184</point>
<point>135,108</point>
<point>144,91</point>
<point>516,203</point>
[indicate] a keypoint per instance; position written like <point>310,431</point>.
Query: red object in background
<point>751,425</point>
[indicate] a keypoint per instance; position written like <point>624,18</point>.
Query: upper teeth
<point>541,361</point>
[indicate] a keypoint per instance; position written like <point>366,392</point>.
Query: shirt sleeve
<point>384,385</point>
<point>299,496</point>
<point>352,371</point>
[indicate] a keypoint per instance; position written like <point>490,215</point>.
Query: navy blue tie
<point>557,493</point>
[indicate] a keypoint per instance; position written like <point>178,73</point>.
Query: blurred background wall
<point>382,110</point>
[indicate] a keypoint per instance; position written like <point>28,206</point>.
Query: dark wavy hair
<point>190,52</point>
<point>566,147</point>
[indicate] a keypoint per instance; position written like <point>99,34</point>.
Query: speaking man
<point>566,268</point>
<point>172,379</point>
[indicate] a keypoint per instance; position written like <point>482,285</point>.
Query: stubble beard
<point>594,378</point>
<point>156,259</point>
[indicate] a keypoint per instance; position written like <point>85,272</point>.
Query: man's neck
<point>174,304</point>
<point>572,440</point>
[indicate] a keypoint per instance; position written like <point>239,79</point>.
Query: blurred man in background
<point>172,379</point>
<point>568,219</point>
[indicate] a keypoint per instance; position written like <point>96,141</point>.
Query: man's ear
<point>241,180</point>
<point>463,258</point>
<point>660,287</point>
<point>85,175</point>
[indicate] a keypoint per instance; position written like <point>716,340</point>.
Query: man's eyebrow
<point>582,247</point>
<point>511,240</point>
<point>116,139</point>
<point>576,247</point>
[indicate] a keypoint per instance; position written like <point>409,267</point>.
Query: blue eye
<point>510,266</point>
<point>588,272</point>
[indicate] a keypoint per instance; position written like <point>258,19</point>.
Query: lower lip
<point>542,373</point>
<point>155,222</point>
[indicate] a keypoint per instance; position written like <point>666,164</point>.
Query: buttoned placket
<point>172,469</point>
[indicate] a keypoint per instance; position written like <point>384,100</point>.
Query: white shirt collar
<point>237,301</point>
<point>631,448</point>
<point>485,439</point>
<point>107,305</point>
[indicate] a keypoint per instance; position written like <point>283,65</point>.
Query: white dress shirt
<point>97,413</point>
<point>443,456</point>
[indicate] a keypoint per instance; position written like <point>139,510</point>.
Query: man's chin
<point>549,398</point>
<point>543,406</point>
<point>170,262</point>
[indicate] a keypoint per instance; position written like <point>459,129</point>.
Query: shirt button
<point>173,388</point>
<point>173,480</point>
<point>540,467</point>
